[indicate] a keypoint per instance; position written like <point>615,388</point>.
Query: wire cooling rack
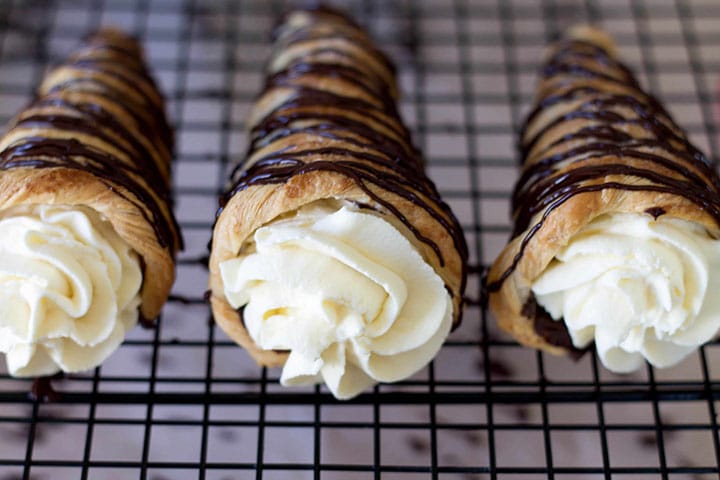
<point>183,402</point>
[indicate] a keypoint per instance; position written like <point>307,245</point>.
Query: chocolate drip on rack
<point>42,389</point>
<point>626,141</point>
<point>132,144</point>
<point>366,139</point>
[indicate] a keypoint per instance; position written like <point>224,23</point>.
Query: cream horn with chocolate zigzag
<point>617,220</point>
<point>87,235</point>
<point>333,255</point>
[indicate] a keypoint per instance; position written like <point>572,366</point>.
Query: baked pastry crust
<point>326,127</point>
<point>596,143</point>
<point>96,135</point>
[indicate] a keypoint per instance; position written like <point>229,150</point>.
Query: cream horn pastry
<point>333,255</point>
<point>616,219</point>
<point>87,235</point>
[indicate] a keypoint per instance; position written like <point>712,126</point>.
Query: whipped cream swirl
<point>345,293</point>
<point>69,289</point>
<point>639,288</point>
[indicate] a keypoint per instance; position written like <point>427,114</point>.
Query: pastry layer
<point>596,146</point>
<point>326,128</point>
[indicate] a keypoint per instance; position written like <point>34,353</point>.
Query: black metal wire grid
<point>182,401</point>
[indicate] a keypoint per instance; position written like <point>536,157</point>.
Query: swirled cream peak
<point>68,289</point>
<point>639,288</point>
<point>345,293</point>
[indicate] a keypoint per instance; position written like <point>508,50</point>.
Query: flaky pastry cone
<point>87,235</point>
<point>333,254</point>
<point>616,219</point>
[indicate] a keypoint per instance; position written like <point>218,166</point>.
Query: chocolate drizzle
<point>42,389</point>
<point>353,129</point>
<point>595,129</point>
<point>325,16</point>
<point>553,331</point>
<point>655,212</point>
<point>103,93</point>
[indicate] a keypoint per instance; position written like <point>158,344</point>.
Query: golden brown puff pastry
<point>333,254</point>
<point>88,161</point>
<point>616,219</point>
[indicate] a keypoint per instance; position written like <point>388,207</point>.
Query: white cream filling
<point>69,289</point>
<point>345,293</point>
<point>639,288</point>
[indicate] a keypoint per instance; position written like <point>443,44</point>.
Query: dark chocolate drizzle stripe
<point>150,117</point>
<point>95,42</point>
<point>102,67</point>
<point>144,122</point>
<point>136,80</point>
<point>127,162</point>
<point>367,140</point>
<point>369,84</point>
<point>287,116</point>
<point>70,124</point>
<point>345,28</point>
<point>129,70</point>
<point>391,150</point>
<point>663,160</point>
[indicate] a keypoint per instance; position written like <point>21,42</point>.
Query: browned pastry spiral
<point>595,148</point>
<point>326,129</point>
<point>96,136</point>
